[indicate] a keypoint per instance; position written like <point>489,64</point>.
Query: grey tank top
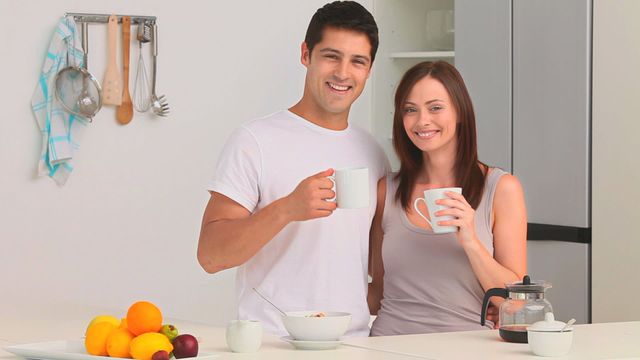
<point>429,285</point>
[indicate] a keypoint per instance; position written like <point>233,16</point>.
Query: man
<point>268,212</point>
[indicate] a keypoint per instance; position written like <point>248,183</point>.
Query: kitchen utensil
<point>525,305</point>
<point>71,350</point>
<point>569,323</point>
<point>549,338</point>
<point>351,186</point>
<point>244,336</point>
<point>311,345</point>
<point>77,90</point>
<point>430,198</point>
<point>302,325</point>
<point>144,32</point>
<point>141,97</point>
<point>159,105</point>
<point>267,300</point>
<point>124,112</point>
<point>88,103</point>
<point>112,91</point>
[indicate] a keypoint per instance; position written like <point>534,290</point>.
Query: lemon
<point>103,318</point>
<point>96,340</point>
<point>145,345</point>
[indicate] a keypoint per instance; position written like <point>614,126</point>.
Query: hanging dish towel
<point>61,131</point>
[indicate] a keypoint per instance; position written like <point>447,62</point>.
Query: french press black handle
<point>503,293</point>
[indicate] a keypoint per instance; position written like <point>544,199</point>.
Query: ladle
<point>267,300</point>
<point>87,104</point>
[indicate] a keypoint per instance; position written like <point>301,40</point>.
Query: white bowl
<point>550,343</point>
<point>331,327</point>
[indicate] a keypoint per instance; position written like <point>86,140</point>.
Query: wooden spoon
<point>112,83</point>
<point>124,112</point>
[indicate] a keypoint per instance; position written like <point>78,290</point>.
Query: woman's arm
<point>376,268</point>
<point>510,226</point>
<point>509,261</point>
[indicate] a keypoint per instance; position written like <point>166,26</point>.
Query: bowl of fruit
<point>140,335</point>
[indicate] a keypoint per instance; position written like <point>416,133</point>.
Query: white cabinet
<point>411,31</point>
<point>473,35</point>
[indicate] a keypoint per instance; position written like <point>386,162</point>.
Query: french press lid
<point>528,286</point>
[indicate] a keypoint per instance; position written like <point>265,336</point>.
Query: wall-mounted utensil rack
<point>147,31</point>
<point>104,18</point>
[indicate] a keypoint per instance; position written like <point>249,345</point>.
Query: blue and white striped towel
<point>61,131</point>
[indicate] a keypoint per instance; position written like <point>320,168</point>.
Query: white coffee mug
<point>352,187</point>
<point>244,336</point>
<point>430,197</point>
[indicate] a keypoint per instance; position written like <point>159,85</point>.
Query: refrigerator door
<point>551,109</point>
<point>483,57</point>
<point>566,266</point>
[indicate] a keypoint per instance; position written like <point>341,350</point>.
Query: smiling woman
<point>429,281</point>
<point>436,90</point>
<point>429,116</point>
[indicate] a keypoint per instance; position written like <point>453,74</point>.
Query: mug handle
<point>415,206</point>
<point>334,188</point>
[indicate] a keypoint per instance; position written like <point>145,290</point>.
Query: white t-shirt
<point>319,264</point>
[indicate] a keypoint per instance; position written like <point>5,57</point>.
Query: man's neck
<point>323,119</point>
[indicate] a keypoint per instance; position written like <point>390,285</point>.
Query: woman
<point>425,282</point>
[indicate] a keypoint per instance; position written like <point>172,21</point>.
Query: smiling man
<point>268,213</point>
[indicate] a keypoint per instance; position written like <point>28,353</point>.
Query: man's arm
<point>231,235</point>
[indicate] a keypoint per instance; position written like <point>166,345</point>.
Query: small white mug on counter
<point>430,197</point>
<point>352,187</point>
<point>244,336</point>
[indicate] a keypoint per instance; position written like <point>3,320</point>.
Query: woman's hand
<point>464,217</point>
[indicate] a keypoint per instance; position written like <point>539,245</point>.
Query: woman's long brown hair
<point>468,175</point>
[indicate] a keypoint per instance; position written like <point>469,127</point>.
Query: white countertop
<point>23,324</point>
<point>595,341</point>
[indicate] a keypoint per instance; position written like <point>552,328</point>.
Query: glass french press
<point>524,305</point>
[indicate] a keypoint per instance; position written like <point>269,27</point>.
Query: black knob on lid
<point>526,280</point>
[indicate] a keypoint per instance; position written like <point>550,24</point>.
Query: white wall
<point>616,169</point>
<point>125,226</point>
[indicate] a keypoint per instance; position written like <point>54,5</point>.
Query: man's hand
<point>309,199</point>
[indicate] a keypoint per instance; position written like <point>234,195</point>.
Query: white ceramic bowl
<point>331,327</point>
<point>550,343</point>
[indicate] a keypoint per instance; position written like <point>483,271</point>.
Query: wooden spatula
<point>112,83</point>
<point>124,112</point>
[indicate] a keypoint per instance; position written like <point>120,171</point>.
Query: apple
<point>169,331</point>
<point>185,346</point>
<point>160,355</point>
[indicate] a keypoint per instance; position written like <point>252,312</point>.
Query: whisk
<point>141,97</point>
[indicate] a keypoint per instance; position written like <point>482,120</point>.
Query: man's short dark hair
<point>342,15</point>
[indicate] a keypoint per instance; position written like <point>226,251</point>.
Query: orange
<point>96,339</point>
<point>143,317</point>
<point>144,346</point>
<point>123,324</point>
<point>118,343</point>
